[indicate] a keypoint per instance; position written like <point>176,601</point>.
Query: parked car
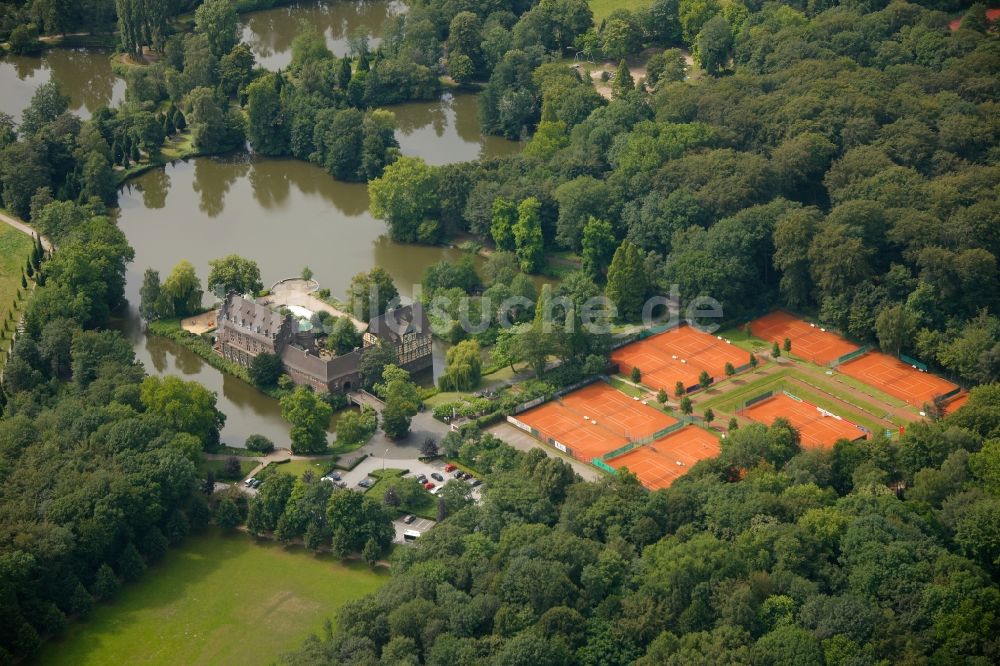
<point>366,482</point>
<point>428,486</point>
<point>409,518</point>
<point>457,474</point>
<point>473,481</point>
<point>449,468</point>
<point>436,476</point>
<point>436,490</point>
<point>256,483</point>
<point>249,482</point>
<point>421,479</point>
<point>333,475</point>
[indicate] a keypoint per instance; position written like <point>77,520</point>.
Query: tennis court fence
<point>850,356</point>
<point>757,398</point>
<point>601,465</point>
<point>913,362</point>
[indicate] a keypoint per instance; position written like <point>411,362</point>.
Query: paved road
<point>522,441</point>
<point>21,226</point>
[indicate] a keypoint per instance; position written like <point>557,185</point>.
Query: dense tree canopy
<point>767,554</point>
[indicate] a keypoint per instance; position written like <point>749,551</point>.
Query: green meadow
<point>217,599</point>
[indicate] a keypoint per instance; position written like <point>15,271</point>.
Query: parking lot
<point>370,464</point>
<point>421,525</point>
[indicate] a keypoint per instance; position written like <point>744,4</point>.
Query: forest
<point>97,461</point>
<point>839,161</point>
<point>869,553</point>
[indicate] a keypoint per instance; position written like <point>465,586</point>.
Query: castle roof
<point>396,323</point>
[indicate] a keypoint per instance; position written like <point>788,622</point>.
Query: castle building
<point>247,328</point>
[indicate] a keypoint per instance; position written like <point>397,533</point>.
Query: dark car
<point>473,481</point>
<point>409,518</point>
<point>436,476</point>
<point>366,483</point>
<point>457,474</point>
<point>421,479</point>
<point>256,483</point>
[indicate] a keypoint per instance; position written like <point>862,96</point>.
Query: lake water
<point>285,214</point>
<point>84,74</point>
<point>270,32</point>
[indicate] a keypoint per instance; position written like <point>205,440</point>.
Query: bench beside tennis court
<point>662,462</point>
<point>809,341</point>
<point>679,355</point>
<point>817,428</point>
<point>594,420</point>
<point>898,379</point>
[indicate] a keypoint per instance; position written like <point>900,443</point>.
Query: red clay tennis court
<point>679,355</point>
<point>809,341</point>
<point>595,420</point>
<point>956,403</point>
<point>658,464</point>
<point>817,429</point>
<point>896,378</point>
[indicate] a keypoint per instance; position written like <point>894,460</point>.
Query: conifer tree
<point>623,81</point>
<point>627,282</point>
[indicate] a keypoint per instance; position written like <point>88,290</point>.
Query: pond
<point>84,74</point>
<point>285,214</point>
<point>270,32</point>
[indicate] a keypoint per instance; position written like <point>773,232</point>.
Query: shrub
<point>259,444</point>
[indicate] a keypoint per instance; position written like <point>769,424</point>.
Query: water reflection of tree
<point>418,115</point>
<point>187,362</point>
<point>270,32</point>
<point>248,398</point>
<point>26,67</point>
<point>85,75</point>
<point>350,199</point>
<point>154,186</point>
<point>466,117</point>
<point>270,184</point>
<point>156,347</point>
<point>212,180</point>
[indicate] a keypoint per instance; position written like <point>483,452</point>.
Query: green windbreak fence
<point>914,362</point>
<point>622,450</point>
<point>757,398</point>
<point>600,464</point>
<point>952,393</point>
<point>659,434</point>
<point>850,356</point>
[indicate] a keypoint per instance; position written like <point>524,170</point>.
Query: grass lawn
<point>218,599</point>
<point>235,451</point>
<point>744,341</point>
<point>777,382</point>
<point>446,397</point>
<point>425,506</point>
<point>626,387</point>
<point>297,468</point>
<point>602,8</point>
<point>15,248</point>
